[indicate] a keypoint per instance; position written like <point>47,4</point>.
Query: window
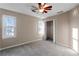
<point>9,26</point>
<point>75,38</point>
<point>41,27</point>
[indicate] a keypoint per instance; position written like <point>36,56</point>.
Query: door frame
<point>54,30</point>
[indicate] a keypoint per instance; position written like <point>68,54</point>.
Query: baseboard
<point>61,44</point>
<point>19,44</point>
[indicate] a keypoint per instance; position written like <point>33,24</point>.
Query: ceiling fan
<point>42,8</point>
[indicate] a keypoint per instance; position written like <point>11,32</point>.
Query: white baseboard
<point>63,44</point>
<point>20,44</point>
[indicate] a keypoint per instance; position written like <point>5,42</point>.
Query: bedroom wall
<point>26,29</point>
<point>64,28</point>
<point>74,27</point>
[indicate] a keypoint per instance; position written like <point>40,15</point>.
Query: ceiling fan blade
<point>45,11</point>
<point>35,8</point>
<point>47,8</point>
<point>39,4</point>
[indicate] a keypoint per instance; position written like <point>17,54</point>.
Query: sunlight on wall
<point>75,38</point>
<point>75,33</point>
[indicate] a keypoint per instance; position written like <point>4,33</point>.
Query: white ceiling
<point>25,8</point>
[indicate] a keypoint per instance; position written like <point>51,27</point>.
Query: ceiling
<point>25,8</point>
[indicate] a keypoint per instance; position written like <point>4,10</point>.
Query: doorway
<point>49,25</point>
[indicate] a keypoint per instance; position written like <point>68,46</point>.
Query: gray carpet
<point>39,48</point>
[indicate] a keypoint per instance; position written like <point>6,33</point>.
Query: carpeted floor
<point>39,48</point>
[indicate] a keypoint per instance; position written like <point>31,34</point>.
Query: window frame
<point>4,36</point>
<point>41,27</point>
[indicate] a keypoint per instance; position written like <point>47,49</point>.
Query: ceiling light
<point>41,10</point>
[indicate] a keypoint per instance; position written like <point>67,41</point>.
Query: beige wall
<point>74,23</point>
<point>62,28</point>
<point>26,29</point>
<point>64,24</point>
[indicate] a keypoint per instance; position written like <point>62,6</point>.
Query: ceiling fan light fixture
<point>41,10</point>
